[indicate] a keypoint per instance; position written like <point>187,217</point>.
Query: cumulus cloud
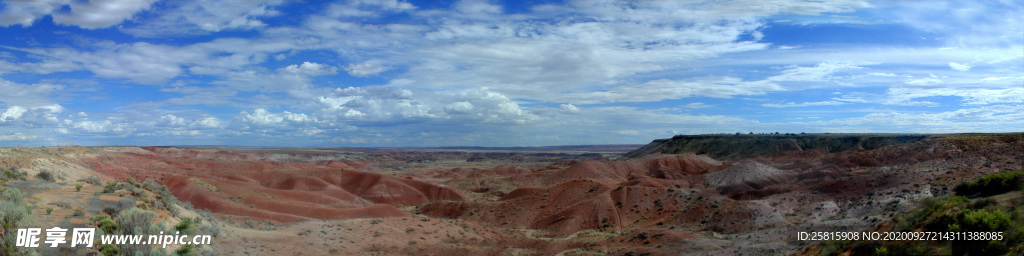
<point>25,13</point>
<point>92,14</point>
<point>569,109</point>
<point>171,120</point>
<point>261,116</point>
<point>364,69</point>
<point>209,122</point>
<point>31,116</point>
<point>366,8</point>
<point>310,68</point>
<point>804,104</point>
<point>31,95</point>
<point>461,107</point>
<point>199,17</point>
<point>959,67</point>
<point>95,14</point>
<point>12,113</point>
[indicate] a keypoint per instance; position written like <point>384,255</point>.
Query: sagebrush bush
<point>112,186</point>
<point>12,195</point>
<point>211,227</point>
<point>12,174</point>
<point>151,186</point>
<point>93,180</point>
<point>135,221</point>
<point>45,175</point>
<point>13,212</point>
<point>62,204</point>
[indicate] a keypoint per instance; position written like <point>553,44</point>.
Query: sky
<point>393,73</point>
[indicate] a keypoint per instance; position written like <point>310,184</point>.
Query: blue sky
<point>383,73</point>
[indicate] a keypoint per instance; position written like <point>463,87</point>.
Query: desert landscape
<point>504,127</point>
<point>688,195</point>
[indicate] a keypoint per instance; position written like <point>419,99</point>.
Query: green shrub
<point>991,184</point>
<point>135,221</point>
<point>62,204</point>
<point>78,187</point>
<point>12,195</point>
<point>11,214</point>
<point>109,249</point>
<point>113,186</point>
<point>108,225</point>
<point>185,226</point>
<point>93,180</point>
<point>49,210</point>
<point>151,186</point>
<point>184,250</point>
<point>982,220</point>
<point>100,217</point>
<point>45,175</point>
<point>11,174</point>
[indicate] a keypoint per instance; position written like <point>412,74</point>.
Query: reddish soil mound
<point>582,204</point>
<point>390,190</point>
<point>745,172</point>
<point>662,167</point>
<point>245,185</point>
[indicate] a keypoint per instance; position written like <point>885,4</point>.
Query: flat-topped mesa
<point>750,145</point>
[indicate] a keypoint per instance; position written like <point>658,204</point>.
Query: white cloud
<point>95,14</point>
<point>663,89</point>
<point>971,96</point>
<point>805,104</point>
<point>628,132</point>
<point>93,126</point>
<point>569,109</point>
<point>959,67</point>
<point>820,72</point>
<point>970,24</point>
<point>12,113</point>
<point>310,68</point>
<point>924,81</point>
<point>367,8</point>
<point>17,136</point>
<point>298,117</point>
<point>461,107</point>
<point>30,116</point>
<point>365,69</point>
<point>171,120</point>
<point>91,14</point>
<point>261,116</point>
<point>29,95</point>
<point>998,118</point>
<point>25,13</point>
<point>205,16</point>
<point>209,122</point>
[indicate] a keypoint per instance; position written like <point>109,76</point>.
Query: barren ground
<point>492,202</point>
